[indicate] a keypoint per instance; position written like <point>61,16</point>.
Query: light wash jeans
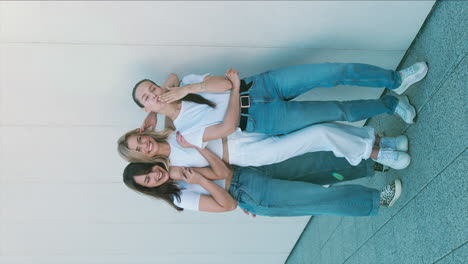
<point>271,111</point>
<point>261,192</point>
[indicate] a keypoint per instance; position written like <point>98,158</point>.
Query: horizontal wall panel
<point>250,24</point>
<point>225,258</point>
<point>106,204</point>
<point>61,154</point>
<point>97,239</point>
<point>2,215</point>
<point>91,85</point>
<point>3,62</point>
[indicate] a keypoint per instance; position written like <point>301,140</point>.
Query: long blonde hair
<point>135,156</point>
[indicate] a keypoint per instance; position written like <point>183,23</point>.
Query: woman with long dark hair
<point>258,190</point>
<point>266,98</point>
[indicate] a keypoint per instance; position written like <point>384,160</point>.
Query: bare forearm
<point>231,118</point>
<point>220,169</point>
<point>230,121</point>
<point>211,84</point>
<point>220,195</point>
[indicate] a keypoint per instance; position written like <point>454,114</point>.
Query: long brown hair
<point>194,98</point>
<point>168,191</point>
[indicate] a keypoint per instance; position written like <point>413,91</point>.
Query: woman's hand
<point>182,142</point>
<point>149,122</point>
<point>173,94</point>
<point>191,176</point>
<point>233,76</point>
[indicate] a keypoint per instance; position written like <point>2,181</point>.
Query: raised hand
<point>182,142</point>
<point>191,176</point>
<point>149,122</point>
<point>173,94</point>
<point>233,76</point>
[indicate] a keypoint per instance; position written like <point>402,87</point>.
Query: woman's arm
<point>231,119</point>
<point>219,201</point>
<point>211,84</point>
<point>218,169</point>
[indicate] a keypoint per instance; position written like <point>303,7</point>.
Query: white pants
<point>254,149</point>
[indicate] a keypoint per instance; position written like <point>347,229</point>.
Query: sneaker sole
<point>418,77</point>
<point>398,189</point>
<point>404,166</point>
<point>407,164</point>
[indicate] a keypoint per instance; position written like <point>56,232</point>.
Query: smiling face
<point>155,178</point>
<point>147,93</point>
<point>146,145</point>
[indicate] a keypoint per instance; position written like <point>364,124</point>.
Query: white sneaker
<point>399,143</point>
<point>411,75</point>
<point>405,110</point>
<point>390,194</point>
<point>394,159</point>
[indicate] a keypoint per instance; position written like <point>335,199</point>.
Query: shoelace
<point>408,71</point>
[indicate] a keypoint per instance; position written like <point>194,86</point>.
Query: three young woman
<point>203,120</point>
<point>255,149</point>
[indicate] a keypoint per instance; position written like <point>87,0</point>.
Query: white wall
<point>67,69</point>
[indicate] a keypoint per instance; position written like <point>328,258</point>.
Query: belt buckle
<point>242,105</point>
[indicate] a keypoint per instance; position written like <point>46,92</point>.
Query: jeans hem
<point>375,202</point>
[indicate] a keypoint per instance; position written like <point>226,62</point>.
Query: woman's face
<point>155,178</point>
<point>147,93</point>
<point>146,145</point>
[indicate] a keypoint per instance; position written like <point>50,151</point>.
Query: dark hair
<point>194,98</point>
<point>166,191</point>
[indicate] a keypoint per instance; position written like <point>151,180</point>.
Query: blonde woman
<point>255,149</point>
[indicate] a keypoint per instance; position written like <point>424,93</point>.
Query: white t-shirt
<point>190,194</point>
<point>194,118</point>
<point>189,157</point>
<point>243,147</point>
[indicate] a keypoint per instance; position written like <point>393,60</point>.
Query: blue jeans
<point>272,112</point>
<point>261,192</point>
<point>319,168</point>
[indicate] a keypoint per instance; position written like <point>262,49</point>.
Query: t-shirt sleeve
<point>188,200</point>
<point>193,78</point>
<point>195,136</point>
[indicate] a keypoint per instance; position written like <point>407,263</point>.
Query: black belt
<point>244,104</point>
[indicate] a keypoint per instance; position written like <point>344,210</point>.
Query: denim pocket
<point>253,185</point>
<point>247,199</point>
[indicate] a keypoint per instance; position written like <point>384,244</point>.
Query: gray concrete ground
<point>429,222</point>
